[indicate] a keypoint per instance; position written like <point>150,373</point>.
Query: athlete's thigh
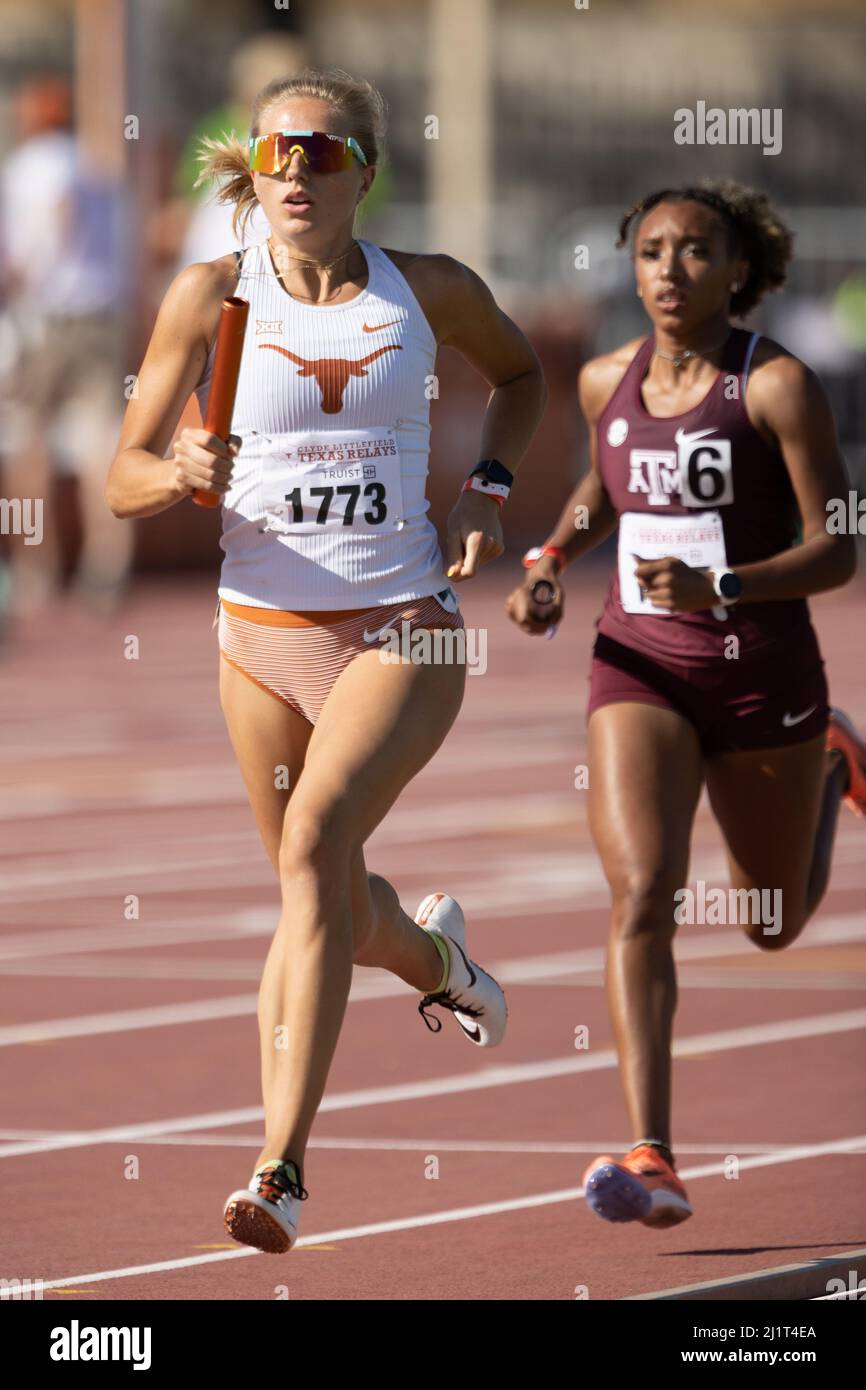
<point>381,722</point>
<point>267,736</point>
<point>767,804</point>
<point>645,773</point>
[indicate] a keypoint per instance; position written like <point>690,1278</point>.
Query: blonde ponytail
<point>227,160</point>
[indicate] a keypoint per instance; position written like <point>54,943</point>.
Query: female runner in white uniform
<point>329,556</point>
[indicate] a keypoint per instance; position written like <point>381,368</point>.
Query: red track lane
<point>119,779</point>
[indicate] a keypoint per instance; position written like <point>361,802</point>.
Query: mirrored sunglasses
<point>323,153</point>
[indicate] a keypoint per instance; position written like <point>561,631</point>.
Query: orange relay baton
<point>224,380</point>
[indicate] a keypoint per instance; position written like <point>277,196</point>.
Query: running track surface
<point>437,1171</point>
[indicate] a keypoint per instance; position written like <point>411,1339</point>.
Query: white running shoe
<point>266,1213</point>
<point>475,999</point>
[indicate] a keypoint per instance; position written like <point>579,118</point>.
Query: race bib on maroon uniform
<point>332,480</point>
<point>698,540</point>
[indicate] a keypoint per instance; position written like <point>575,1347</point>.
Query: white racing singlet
<point>327,506</point>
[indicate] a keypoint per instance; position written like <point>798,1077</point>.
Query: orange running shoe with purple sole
<point>642,1187</point>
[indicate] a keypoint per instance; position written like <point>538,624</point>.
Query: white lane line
<point>503,905</point>
<point>141,1130</point>
<point>129,936</point>
<point>515,970</point>
<point>441,1218</point>
<point>499,898</point>
<point>575,873</point>
<point>155,1016</point>
<point>423,824</point>
<point>524,879</point>
<point>233,971</point>
<point>480,1146</point>
<point>238,860</point>
<point>466,1082</point>
<point>33,802</point>
<point>220,782</point>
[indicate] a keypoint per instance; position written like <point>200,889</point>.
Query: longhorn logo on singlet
<point>332,374</point>
<point>699,470</point>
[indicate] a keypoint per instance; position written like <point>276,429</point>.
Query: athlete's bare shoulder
<point>599,377</point>
<point>767,350</point>
<point>780,387</point>
<point>403,259</point>
<point>439,269</point>
<point>775,373</point>
<point>193,299</point>
<point>207,278</point>
<point>773,365</point>
<point>445,288</point>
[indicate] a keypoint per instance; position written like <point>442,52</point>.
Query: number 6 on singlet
<point>706,478</point>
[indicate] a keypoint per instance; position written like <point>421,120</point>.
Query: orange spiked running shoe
<point>842,736</point>
<point>643,1187</point>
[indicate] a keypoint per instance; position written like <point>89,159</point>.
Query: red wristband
<point>536,553</point>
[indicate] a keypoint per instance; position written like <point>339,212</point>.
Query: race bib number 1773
<point>333,480</point>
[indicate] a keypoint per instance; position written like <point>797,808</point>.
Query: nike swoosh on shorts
<point>374,636</point>
<point>790,719</point>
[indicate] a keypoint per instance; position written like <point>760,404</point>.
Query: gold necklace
<point>320,265</point>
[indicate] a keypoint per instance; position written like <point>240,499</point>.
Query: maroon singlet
<point>729,468</point>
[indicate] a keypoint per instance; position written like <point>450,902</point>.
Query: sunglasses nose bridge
<point>286,162</point>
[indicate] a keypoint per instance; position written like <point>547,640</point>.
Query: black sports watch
<point>727,586</point>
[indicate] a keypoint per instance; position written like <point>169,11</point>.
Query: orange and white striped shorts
<point>297,657</point>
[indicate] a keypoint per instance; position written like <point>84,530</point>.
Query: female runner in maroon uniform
<point>706,443</point>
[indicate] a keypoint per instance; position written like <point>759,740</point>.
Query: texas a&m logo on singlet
<point>699,470</point>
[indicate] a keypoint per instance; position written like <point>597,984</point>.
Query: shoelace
<point>278,1175</point>
<point>445,1000</point>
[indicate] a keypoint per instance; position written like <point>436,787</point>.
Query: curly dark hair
<point>756,232</point>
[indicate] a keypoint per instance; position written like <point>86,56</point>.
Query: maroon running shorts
<point>768,700</point>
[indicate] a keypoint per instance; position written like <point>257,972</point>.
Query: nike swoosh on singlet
<point>685,437</point>
<point>789,719</point>
<point>377,326</point>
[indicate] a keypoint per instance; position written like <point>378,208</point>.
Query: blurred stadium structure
<point>552,119</point>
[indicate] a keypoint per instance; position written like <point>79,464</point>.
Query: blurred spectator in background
<point>62,241</point>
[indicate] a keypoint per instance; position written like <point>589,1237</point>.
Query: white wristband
<point>475,483</point>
